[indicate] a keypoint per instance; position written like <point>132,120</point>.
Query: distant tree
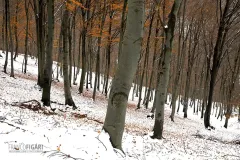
<point>102,19</point>
<point>227,16</point>
<point>65,31</point>
<point>39,12</point>
<point>6,34</point>
<point>232,81</point>
<point>26,4</point>
<point>85,15</point>
<point>164,73</point>
<point>239,114</point>
<point>16,29</point>
<point>48,60</point>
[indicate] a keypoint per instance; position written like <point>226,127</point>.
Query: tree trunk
<point>16,30</point>
<point>3,28</point>
<point>217,55</point>
<point>122,28</point>
<point>122,82</point>
<point>65,31</point>
<point>39,11</point>
<point>99,41</point>
<point>26,38</point>
<point>48,61</point>
<point>150,88</point>
<point>11,39</point>
<point>108,54</point>
<point>83,75</point>
<point>239,114</point>
<point>164,74</point>
<point>6,35</point>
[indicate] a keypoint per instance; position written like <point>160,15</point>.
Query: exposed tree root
<point>229,155</point>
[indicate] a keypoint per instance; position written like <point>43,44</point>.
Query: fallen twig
<point>8,131</point>
<point>60,154</point>
<point>33,105</point>
<point>230,155</point>
<point>101,142</point>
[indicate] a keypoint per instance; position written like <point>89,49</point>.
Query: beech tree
<point>65,31</point>
<point>48,60</point>
<point>164,73</point>
<point>122,82</point>
<point>228,16</point>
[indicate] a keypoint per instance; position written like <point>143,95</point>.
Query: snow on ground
<point>72,137</point>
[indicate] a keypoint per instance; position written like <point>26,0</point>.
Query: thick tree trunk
<point>122,82</point>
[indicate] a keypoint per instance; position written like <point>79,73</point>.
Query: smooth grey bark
<point>65,31</point>
<point>48,59</point>
<point>164,74</point>
<point>122,82</point>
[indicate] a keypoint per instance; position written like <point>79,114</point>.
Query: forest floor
<point>77,134</point>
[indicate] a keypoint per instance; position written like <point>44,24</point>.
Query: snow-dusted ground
<point>71,137</point>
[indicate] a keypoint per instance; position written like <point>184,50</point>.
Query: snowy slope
<point>72,137</point>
